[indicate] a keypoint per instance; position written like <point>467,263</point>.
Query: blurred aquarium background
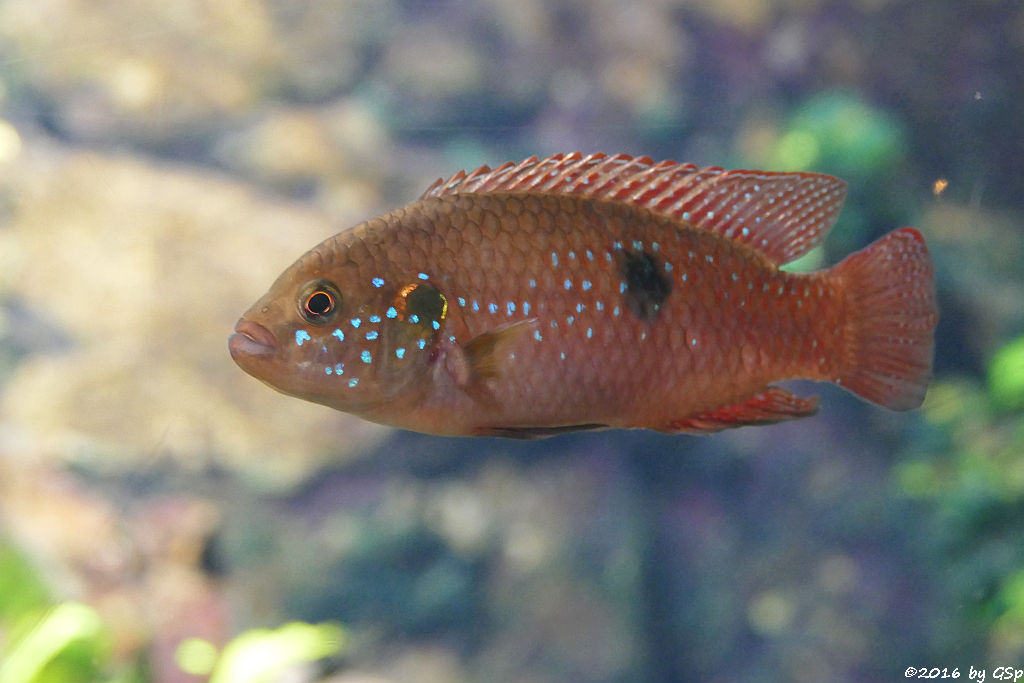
<point>165,517</point>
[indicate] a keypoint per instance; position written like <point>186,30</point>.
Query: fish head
<point>342,333</point>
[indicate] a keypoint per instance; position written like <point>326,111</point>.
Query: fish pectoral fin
<point>774,404</point>
<point>486,353</point>
<point>471,365</point>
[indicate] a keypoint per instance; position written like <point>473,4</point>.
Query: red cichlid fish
<point>587,292</point>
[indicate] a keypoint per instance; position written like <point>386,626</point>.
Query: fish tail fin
<point>890,289</point>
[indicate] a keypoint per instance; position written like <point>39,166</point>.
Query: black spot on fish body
<point>647,287</point>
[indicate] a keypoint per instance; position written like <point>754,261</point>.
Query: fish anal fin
<point>780,215</point>
<point>774,404</point>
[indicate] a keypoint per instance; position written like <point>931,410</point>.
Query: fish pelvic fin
<point>774,404</point>
<point>889,287</point>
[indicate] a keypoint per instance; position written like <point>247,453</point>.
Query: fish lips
<point>251,340</point>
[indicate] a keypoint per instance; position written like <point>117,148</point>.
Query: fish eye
<point>319,301</point>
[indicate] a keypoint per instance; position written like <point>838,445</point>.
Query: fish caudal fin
<point>890,289</point>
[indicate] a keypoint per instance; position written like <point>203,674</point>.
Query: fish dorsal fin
<point>781,215</point>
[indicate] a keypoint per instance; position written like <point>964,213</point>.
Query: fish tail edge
<point>890,289</point>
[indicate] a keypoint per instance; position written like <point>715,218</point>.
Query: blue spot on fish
<point>377,282</point>
<point>572,255</point>
<point>533,283</point>
<point>579,308</point>
<point>492,307</point>
<point>590,255</point>
<point>462,302</point>
<point>510,308</point>
<point>301,336</point>
<point>436,325</point>
<point>570,319</point>
<point>356,322</point>
<point>421,343</point>
<point>328,370</point>
<point>590,332</point>
<point>476,306</point>
<point>366,357</point>
<point>668,267</point>
<point>423,276</point>
<point>526,308</point>
<point>400,353</point>
<point>568,283</point>
<point>536,335</point>
<point>391,312</point>
<point>374,318</point>
<point>352,382</point>
<point>414,318</point>
<point>339,369</point>
<point>622,287</point>
<point>554,259</point>
<point>372,334</point>
<point>339,334</point>
<point>587,284</point>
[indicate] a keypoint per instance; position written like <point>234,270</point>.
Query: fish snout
<point>251,339</point>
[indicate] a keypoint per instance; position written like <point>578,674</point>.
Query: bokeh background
<point>164,517</point>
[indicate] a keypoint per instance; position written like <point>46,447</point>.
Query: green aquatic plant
<point>841,132</point>
<point>1006,376</point>
<point>261,655</point>
<point>966,477</point>
<point>43,641</point>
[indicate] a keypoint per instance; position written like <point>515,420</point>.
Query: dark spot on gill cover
<point>428,303</point>
<point>647,287</point>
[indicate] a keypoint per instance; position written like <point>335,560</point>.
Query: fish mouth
<point>251,339</point>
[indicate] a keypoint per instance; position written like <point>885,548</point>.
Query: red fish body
<point>590,292</point>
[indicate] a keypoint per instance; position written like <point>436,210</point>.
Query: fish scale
<point>581,292</point>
